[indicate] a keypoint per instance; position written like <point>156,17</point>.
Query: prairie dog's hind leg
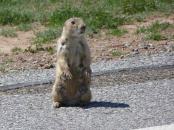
<point>85,98</point>
<point>56,95</point>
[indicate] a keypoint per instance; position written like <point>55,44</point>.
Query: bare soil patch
<point>23,40</point>
<point>103,46</point>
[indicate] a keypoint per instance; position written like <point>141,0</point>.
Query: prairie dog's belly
<point>75,56</point>
<point>73,53</point>
<point>70,91</point>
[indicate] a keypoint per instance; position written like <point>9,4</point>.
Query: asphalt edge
<point>169,63</point>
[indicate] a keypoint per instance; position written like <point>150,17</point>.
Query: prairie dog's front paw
<point>88,73</point>
<point>66,75</point>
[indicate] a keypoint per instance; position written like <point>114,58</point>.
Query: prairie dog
<point>73,72</point>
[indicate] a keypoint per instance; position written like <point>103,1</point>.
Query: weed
<point>117,53</point>
<point>15,16</point>
<point>107,14</point>
<point>4,65</point>
<point>155,27</point>
<point>45,37</point>
<point>141,30</point>
<point>118,32</point>
<point>24,27</point>
<point>153,31</point>
<point>8,32</point>
<point>51,50</point>
<point>156,37</point>
<point>172,37</point>
<point>136,6</point>
<point>30,49</point>
<point>16,50</point>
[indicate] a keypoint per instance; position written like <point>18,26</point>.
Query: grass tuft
<point>45,37</point>
<point>137,6</point>
<point>107,14</point>
<point>16,50</point>
<point>156,37</point>
<point>118,32</point>
<point>15,16</point>
<point>155,27</point>
<point>117,53</point>
<point>153,31</point>
<point>8,32</point>
<point>24,27</point>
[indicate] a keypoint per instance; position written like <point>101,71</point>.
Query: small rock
<point>6,54</point>
<point>30,59</point>
<point>22,59</point>
<point>144,46</point>
<point>135,51</point>
<point>170,47</point>
<point>122,56</point>
<point>126,44</point>
<point>35,62</point>
<point>42,65</point>
<point>151,46</point>
<point>48,66</point>
<point>147,53</point>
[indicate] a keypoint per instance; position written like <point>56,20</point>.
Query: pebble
<point>170,47</point>
<point>122,56</point>
<point>144,45</point>
<point>135,51</point>
<point>151,46</point>
<point>126,44</point>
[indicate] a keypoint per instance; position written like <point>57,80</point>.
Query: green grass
<point>153,31</point>
<point>4,65</point>
<point>16,50</point>
<point>106,14</point>
<point>98,15</point>
<point>24,27</point>
<point>117,32</point>
<point>8,32</point>
<point>156,37</point>
<point>45,37</point>
<point>155,27</point>
<point>117,53</point>
<point>15,16</point>
<point>136,6</point>
<point>50,50</point>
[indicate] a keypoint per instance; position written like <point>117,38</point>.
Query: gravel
<point>108,79</point>
<point>117,107</point>
<point>35,77</point>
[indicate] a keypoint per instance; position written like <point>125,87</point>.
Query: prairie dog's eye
<point>72,22</point>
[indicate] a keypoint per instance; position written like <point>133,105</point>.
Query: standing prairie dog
<point>73,72</point>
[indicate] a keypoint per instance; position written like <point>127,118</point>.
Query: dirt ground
<point>102,45</point>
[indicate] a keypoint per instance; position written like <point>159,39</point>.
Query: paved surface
<point>35,77</point>
<point>164,127</point>
<point>119,107</point>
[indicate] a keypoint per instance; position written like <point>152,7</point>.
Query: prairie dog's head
<point>74,27</point>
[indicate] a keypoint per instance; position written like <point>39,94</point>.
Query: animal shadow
<point>106,104</point>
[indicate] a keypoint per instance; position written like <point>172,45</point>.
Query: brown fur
<point>73,72</point>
